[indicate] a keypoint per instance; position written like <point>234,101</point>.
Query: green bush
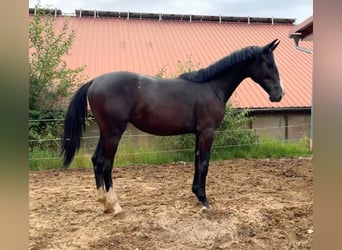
<point>45,126</point>
<point>234,129</point>
<point>51,82</point>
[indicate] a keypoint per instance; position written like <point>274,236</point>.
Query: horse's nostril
<point>275,98</point>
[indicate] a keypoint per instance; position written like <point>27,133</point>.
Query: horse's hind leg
<point>103,164</point>
<point>98,161</point>
<point>111,142</point>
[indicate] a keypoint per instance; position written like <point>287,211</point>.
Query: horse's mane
<point>208,73</point>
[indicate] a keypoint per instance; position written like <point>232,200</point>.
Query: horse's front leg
<point>205,140</point>
<point>196,163</point>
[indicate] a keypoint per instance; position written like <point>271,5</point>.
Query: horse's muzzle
<point>276,98</point>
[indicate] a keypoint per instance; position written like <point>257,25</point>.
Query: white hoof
<point>101,196</point>
<point>205,209</point>
<point>110,207</point>
<point>108,210</point>
<point>111,203</point>
<point>117,209</point>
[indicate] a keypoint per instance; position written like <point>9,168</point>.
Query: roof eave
<point>280,109</point>
<point>302,30</point>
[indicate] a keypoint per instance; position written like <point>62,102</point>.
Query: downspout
<point>296,38</point>
<point>309,51</point>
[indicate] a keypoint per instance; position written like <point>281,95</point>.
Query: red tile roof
<point>147,45</point>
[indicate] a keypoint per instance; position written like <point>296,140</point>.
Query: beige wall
<point>269,126</point>
<point>298,132</point>
<point>292,126</point>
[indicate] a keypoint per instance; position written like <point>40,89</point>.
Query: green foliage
<point>161,73</point>
<point>182,67</point>
<point>50,80</point>
<point>186,66</point>
<point>234,128</point>
<point>44,128</point>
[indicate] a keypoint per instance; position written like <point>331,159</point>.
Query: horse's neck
<point>226,83</point>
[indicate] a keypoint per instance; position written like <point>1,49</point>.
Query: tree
<point>50,80</point>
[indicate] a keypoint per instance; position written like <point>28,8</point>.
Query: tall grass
<point>132,153</point>
<point>42,159</point>
<point>271,148</point>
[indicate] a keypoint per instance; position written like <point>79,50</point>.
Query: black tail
<point>74,124</point>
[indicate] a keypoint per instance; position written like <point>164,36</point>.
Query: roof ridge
<point>173,17</point>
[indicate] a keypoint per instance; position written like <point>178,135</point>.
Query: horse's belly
<point>163,123</point>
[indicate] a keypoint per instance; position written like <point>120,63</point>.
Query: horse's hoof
<point>113,210</point>
<point>108,210</point>
<point>205,209</point>
<point>118,210</point>
<point>118,213</point>
<point>101,200</point>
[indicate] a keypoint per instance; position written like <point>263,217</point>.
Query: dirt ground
<point>256,204</point>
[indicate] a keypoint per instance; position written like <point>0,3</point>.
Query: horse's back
<point>111,82</point>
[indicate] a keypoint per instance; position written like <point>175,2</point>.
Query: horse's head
<point>264,71</point>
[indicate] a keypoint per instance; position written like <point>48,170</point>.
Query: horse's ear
<point>272,45</point>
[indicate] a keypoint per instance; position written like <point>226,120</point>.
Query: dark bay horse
<point>190,103</point>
